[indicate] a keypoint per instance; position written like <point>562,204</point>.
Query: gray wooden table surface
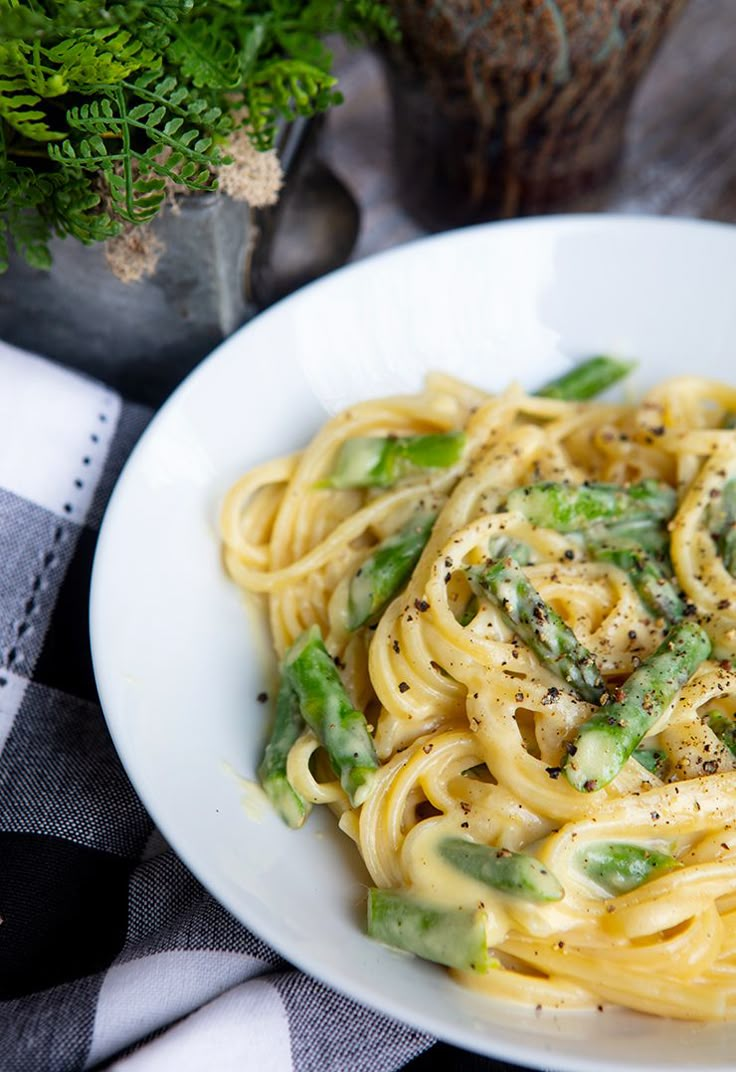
<point>681,140</point>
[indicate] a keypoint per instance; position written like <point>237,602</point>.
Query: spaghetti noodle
<point>475,729</point>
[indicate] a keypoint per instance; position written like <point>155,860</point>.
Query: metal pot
<point>221,263</point>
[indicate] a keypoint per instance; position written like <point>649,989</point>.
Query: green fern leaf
<point>131,145</point>
<point>251,46</point>
<point>23,198</point>
<point>180,100</point>
<point>4,247</point>
<point>203,53</point>
<point>18,109</point>
<point>24,21</point>
<point>285,89</point>
<point>20,22</point>
<point>30,234</point>
<point>126,97</point>
<point>362,20</point>
<point>75,209</point>
<point>103,56</point>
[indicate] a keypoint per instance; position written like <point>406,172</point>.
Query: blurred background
<point>679,154</point>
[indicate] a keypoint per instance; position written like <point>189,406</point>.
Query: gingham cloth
<point>111,954</point>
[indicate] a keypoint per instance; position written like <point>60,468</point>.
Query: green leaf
<point>127,96</point>
<point>204,54</point>
<point>4,248</point>
<point>285,89</point>
<point>18,109</point>
<point>251,47</point>
<point>76,210</point>
<point>140,111</point>
<point>30,234</point>
<point>100,56</point>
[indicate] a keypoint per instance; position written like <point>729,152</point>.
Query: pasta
<point>478,722</point>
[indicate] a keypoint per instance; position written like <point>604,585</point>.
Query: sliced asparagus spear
<point>507,547</point>
<point>619,866</point>
<point>539,626</point>
<point>722,521</point>
<point>452,936</point>
<point>652,759</point>
<point>650,535</point>
<point>386,570</point>
<point>652,582</point>
<point>573,507</point>
<point>588,379</point>
<point>498,547</point>
<point>514,873</point>
<point>609,737</point>
<point>287,726</point>
<point>727,548</point>
<point>469,611</point>
<point>325,707</point>
<point>724,727</point>
<point>381,461</point>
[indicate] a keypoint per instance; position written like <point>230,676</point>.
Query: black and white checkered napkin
<point>111,954</point>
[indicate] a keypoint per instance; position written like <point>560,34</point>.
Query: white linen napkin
<point>111,953</point>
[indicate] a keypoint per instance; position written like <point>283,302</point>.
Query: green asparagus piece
<point>573,507</point>
<point>724,727</point>
<point>386,570</point>
<point>655,588</point>
<point>651,536</point>
<point>609,737</point>
<point>727,538</point>
<point>288,724</point>
<point>498,547</point>
<point>452,936</point>
<point>326,708</point>
<point>539,626</point>
<point>588,379</point>
<point>619,867</point>
<point>469,611</point>
<point>727,548</point>
<point>722,522</point>
<point>506,547</point>
<point>514,873</point>
<point>380,462</point>
<point>652,759</point>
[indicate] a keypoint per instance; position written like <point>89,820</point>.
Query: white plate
<point>179,663</point>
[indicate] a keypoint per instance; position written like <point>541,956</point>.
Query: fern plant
<point>103,104</point>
